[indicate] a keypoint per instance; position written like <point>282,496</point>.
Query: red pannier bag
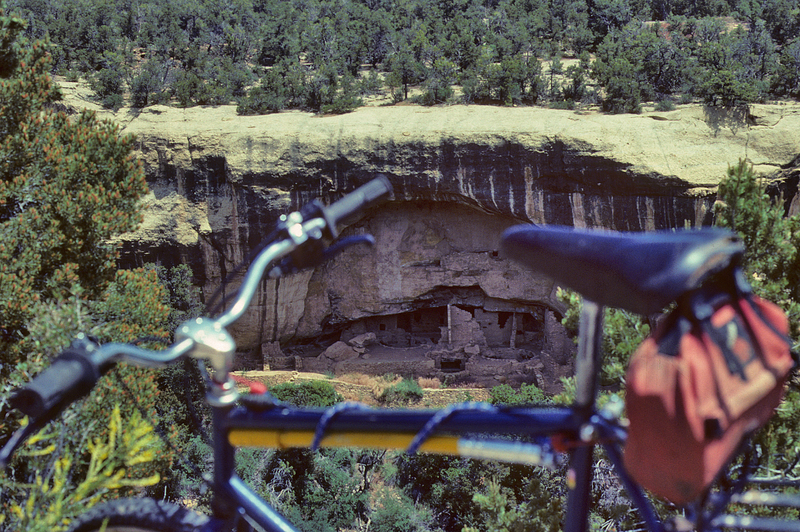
<point>712,373</point>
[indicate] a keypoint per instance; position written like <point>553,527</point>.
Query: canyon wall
<point>461,175</point>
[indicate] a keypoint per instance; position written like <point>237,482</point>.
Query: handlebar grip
<point>71,376</point>
<point>359,199</point>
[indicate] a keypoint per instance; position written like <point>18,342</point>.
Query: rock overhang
<point>219,181</point>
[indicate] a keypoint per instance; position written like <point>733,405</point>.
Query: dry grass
<point>431,383</point>
<point>358,378</point>
<point>376,384</point>
<point>368,388</point>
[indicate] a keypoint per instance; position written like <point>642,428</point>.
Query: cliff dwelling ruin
<point>432,299</point>
<point>489,344</point>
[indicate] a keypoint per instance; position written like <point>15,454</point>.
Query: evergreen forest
<point>333,55</point>
<point>70,184</point>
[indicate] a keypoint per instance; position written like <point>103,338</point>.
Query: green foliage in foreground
<point>541,511</point>
<point>55,494</point>
<point>68,186</point>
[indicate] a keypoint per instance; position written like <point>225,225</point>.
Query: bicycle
<point>606,267</point>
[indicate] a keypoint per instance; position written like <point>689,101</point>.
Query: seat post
<point>587,365</point>
<point>590,358</point>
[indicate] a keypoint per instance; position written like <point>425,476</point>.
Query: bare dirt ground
<point>365,389</point>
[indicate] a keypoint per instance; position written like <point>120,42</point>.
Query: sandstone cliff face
<point>461,175</point>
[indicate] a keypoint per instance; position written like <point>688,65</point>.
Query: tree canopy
<point>328,55</point>
<point>68,185</point>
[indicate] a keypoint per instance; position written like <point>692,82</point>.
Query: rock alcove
<point>461,175</point>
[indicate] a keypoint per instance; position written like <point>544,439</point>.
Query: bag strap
<point>731,287</point>
<point>727,288</point>
<point>722,340</point>
<point>744,288</point>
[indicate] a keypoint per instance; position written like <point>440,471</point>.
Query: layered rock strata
<point>461,175</point>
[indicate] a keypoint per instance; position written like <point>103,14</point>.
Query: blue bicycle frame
<point>461,430</point>
<point>538,435</point>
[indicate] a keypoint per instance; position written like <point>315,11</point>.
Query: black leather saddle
<point>640,272</point>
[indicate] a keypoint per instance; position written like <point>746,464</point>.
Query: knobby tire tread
<point>147,515</point>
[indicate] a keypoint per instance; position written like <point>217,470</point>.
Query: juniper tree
<point>68,186</point>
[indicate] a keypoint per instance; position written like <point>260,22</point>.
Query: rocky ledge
<point>461,175</point>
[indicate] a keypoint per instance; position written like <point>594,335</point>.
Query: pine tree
<point>68,185</point>
<point>772,240</point>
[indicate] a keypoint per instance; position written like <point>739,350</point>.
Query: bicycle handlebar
<point>301,229</point>
<point>75,371</point>
<point>71,376</point>
<point>358,200</point>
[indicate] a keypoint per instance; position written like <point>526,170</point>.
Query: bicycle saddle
<point>640,272</point>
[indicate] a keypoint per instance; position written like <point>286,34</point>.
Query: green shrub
<point>334,495</point>
<point>147,86</point>
<point>665,105</point>
<point>307,393</point>
<point>526,394</point>
<point>448,486</point>
<point>404,392</point>
<point>186,87</point>
<point>344,102</point>
<point>623,331</point>
<point>394,511</point>
<point>108,82</point>
<point>321,491</point>
<point>568,105</point>
<point>260,102</point>
<point>541,512</point>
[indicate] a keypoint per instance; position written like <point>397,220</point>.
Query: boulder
<point>339,352</point>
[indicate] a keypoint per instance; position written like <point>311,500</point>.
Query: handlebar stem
<point>223,394</point>
<point>211,339</point>
<point>212,342</point>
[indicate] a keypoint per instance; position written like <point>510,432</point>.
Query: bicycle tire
<point>138,515</point>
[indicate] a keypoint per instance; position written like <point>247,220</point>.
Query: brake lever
<point>313,253</point>
<point>340,245</point>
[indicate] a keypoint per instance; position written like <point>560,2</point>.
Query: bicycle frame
<point>579,426</point>
<point>472,430</point>
<point>281,426</point>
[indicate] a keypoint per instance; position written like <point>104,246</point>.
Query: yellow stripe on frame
<point>383,440</point>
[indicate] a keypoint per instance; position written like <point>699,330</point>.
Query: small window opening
<point>452,365</point>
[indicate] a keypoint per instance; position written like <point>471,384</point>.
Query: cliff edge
<point>461,174</point>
